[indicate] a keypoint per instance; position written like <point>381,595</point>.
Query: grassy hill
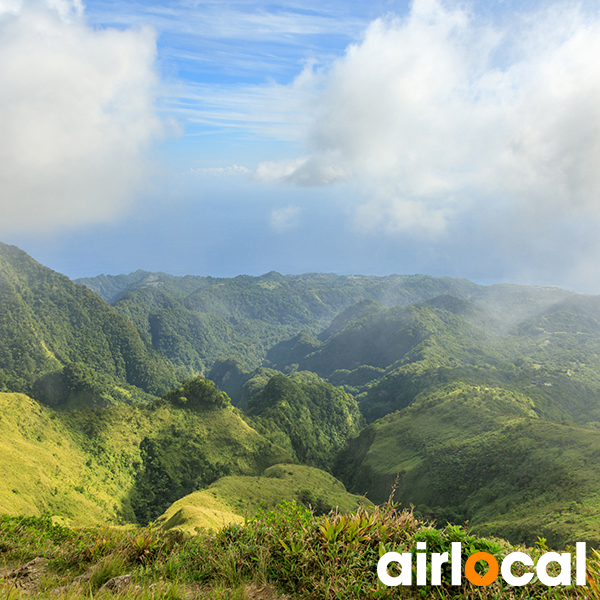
<point>481,454</point>
<point>120,463</point>
<point>232,499</point>
<point>45,470</point>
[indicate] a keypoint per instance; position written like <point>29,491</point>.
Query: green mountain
<point>386,357</point>
<point>306,415</point>
<point>63,344</point>
<point>484,401</point>
<point>481,454</point>
<point>196,320</point>
<point>125,462</point>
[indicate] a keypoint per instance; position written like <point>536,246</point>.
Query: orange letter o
<point>473,576</point>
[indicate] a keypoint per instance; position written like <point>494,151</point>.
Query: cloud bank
<point>438,114</point>
<point>76,116</point>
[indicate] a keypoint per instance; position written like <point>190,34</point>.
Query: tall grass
<point>327,557</point>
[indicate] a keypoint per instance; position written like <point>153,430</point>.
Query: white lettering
<point>509,561</point>
<point>405,561</point>
<point>437,560</point>
<point>563,559</point>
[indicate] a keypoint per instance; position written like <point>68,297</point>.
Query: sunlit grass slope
<point>120,463</point>
<point>43,468</point>
<point>478,453</point>
<point>233,498</point>
<point>197,511</point>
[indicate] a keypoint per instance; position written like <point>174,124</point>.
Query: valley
<point>195,403</point>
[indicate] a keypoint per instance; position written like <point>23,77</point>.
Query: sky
<point>220,138</point>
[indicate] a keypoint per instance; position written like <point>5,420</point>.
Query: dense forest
<point>190,403</point>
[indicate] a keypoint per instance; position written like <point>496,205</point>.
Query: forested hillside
<point>195,320</point>
<point>386,357</point>
<point>481,454</point>
<point>482,402</point>
<point>64,344</point>
<point>306,415</point>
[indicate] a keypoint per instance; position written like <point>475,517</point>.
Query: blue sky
<point>220,138</point>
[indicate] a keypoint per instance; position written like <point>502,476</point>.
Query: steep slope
<point>480,453</point>
<point>65,345</point>
<point>123,463</point>
<point>306,415</point>
<point>45,470</point>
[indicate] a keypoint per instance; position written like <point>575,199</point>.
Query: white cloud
<point>76,117</point>
<point>10,7</point>
<point>231,170</point>
<point>301,171</point>
<point>393,214</point>
<point>439,113</point>
<point>68,10</point>
<point>284,219</point>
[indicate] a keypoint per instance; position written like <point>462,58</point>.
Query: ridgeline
<point>180,400</point>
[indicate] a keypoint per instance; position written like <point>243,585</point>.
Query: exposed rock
<point>84,576</point>
<point>263,593</point>
<point>117,584</point>
<point>27,577</point>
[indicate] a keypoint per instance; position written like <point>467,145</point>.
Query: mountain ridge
<point>180,315</point>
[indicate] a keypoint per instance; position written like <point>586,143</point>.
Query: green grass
<point>480,454</point>
<point>285,551</point>
<point>44,468</point>
<point>232,498</point>
<point>97,465</point>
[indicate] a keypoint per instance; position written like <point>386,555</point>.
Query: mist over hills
<point>483,401</point>
<point>195,320</point>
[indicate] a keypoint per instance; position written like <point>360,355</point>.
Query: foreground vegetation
<point>288,550</point>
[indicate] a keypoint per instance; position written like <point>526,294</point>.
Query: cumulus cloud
<point>10,7</point>
<point>306,170</point>
<point>284,219</point>
<point>438,113</point>
<point>76,116</point>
